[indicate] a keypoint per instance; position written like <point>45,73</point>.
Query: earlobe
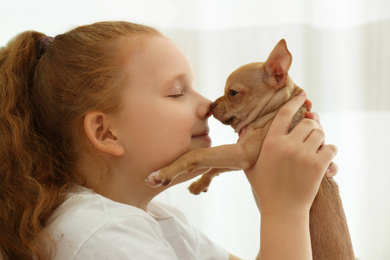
<point>100,133</point>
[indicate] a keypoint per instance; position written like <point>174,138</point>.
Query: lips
<point>202,139</point>
<point>201,134</point>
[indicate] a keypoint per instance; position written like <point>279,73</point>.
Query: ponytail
<point>24,154</point>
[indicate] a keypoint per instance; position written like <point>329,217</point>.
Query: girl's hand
<point>290,167</point>
<point>333,168</point>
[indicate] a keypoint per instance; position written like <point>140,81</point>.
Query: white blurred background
<point>341,57</point>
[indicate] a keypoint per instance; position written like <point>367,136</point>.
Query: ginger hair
<point>44,97</point>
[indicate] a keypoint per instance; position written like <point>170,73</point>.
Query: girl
<point>88,115</point>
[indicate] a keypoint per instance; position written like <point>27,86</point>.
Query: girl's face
<point>163,116</point>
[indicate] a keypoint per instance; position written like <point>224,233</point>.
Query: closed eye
<point>177,95</point>
<point>177,88</point>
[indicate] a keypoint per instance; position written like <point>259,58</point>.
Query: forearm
<point>285,237</point>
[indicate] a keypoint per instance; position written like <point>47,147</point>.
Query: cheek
<point>176,128</point>
<point>164,136</point>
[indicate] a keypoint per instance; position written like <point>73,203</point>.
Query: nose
<point>204,108</point>
<point>213,105</point>
<point>208,114</point>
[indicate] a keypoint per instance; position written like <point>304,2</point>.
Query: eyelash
<point>178,89</point>
<point>177,95</point>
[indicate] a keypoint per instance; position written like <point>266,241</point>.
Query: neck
<point>262,120</point>
<point>125,186</point>
<point>257,112</point>
<point>131,195</point>
<point>262,115</point>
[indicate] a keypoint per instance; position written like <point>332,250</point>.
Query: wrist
<point>285,236</point>
<point>290,211</point>
<point>286,217</point>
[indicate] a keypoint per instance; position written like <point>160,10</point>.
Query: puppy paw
<point>155,180</point>
<point>197,187</point>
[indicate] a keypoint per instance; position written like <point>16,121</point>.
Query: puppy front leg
<point>225,156</point>
<point>230,157</point>
<point>203,183</point>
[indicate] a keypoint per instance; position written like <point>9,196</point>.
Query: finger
<point>315,140</point>
<point>309,115</point>
<point>332,170</point>
<point>313,115</point>
<point>281,123</point>
<point>316,117</point>
<point>304,129</point>
<point>308,104</point>
<point>328,152</point>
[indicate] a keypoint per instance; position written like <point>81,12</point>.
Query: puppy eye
<point>233,92</point>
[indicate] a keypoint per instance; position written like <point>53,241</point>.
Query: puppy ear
<point>277,65</point>
<point>99,131</point>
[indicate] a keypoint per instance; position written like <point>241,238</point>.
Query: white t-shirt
<point>90,226</point>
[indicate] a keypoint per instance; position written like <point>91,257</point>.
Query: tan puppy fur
<point>253,95</point>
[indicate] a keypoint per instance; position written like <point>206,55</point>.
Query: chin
<point>201,144</point>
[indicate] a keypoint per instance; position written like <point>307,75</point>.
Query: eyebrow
<point>181,77</point>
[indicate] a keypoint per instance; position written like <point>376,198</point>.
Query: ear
<point>98,128</point>
<point>277,65</point>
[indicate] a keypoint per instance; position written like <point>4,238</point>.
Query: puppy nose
<point>213,105</point>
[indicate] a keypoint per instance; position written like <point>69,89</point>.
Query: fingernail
<point>302,93</point>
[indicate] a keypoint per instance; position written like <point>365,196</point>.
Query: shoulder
<point>128,237</point>
<point>159,209</point>
<point>91,209</point>
<point>187,241</point>
<point>88,224</point>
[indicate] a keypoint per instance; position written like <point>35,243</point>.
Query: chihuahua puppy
<point>253,95</point>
